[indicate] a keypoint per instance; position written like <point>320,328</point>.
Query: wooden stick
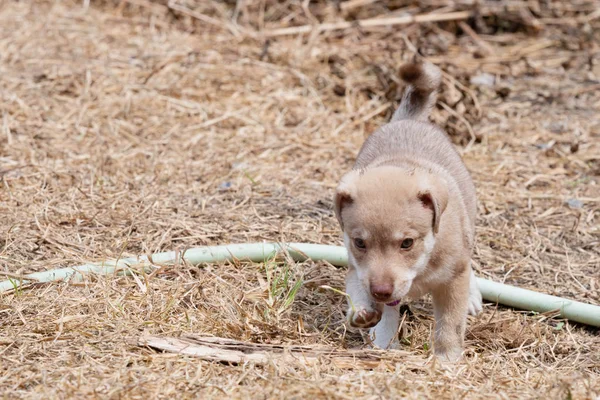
<point>236,352</point>
<point>372,22</point>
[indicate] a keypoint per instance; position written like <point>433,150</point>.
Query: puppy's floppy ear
<point>345,194</point>
<point>434,197</point>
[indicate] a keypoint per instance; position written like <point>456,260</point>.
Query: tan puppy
<point>407,210</point>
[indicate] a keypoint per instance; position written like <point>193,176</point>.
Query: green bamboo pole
<point>257,252</point>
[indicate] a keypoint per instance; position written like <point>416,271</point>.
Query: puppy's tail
<point>419,97</point>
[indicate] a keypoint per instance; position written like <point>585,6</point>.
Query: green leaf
<point>559,326</point>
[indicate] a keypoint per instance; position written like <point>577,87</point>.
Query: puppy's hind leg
<point>363,312</point>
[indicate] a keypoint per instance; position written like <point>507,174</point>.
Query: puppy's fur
<point>407,210</point>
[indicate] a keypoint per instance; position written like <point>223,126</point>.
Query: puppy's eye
<point>360,244</point>
<point>407,244</point>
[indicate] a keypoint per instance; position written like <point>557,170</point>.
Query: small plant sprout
<point>282,286</point>
<point>338,291</point>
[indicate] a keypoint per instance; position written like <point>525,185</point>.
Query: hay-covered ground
<point>131,127</point>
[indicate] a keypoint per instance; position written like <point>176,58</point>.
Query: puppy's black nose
<point>382,291</point>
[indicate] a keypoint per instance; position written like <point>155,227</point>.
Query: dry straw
<point>134,127</point>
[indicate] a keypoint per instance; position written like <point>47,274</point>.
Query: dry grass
<point>130,127</point>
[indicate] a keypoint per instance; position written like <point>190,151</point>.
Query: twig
<point>156,7</point>
<point>572,21</point>
<point>205,18</point>
<point>591,16</point>
<point>372,22</point>
<point>581,285</point>
<point>577,91</point>
<point>162,66</point>
<point>479,41</point>
<point>349,5</point>
<point>5,171</point>
<point>236,352</point>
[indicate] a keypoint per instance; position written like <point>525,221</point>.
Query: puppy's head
<point>390,218</point>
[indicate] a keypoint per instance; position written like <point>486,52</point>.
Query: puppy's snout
<point>382,291</point>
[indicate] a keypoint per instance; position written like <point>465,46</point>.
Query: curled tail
<point>419,97</point>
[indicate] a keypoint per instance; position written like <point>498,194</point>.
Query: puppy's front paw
<point>364,318</point>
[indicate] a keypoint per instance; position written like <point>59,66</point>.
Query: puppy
<point>407,210</point>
